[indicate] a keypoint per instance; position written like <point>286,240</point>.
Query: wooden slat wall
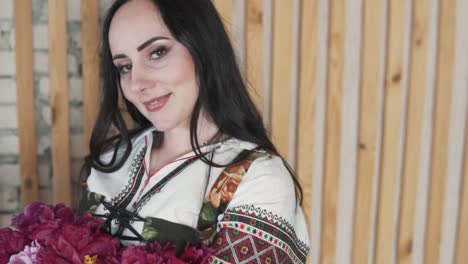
<point>462,236</point>
<point>254,48</point>
<point>391,135</point>
<point>392,103</point>
<point>455,206</point>
<point>90,64</point>
<point>60,137</point>
<point>442,101</point>
<point>380,143</point>
<point>370,109</point>
<point>225,10</point>
<point>332,130</point>
<point>282,52</point>
<point>307,95</point>
<point>416,95</point>
<point>25,101</point>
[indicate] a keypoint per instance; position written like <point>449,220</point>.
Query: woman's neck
<point>176,143</point>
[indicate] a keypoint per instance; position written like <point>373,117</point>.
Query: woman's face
<point>157,73</point>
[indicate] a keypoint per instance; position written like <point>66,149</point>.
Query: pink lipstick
<point>156,103</point>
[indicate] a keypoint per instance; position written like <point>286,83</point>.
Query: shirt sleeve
<point>263,221</point>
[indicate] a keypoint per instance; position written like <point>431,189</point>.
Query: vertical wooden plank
<point>25,101</point>
<point>371,86</point>
<point>59,102</point>
<point>393,107</point>
<point>318,169</point>
<point>462,239</point>
<point>458,132</point>
<point>90,66</point>
<point>294,83</point>
<point>281,86</point>
<point>307,103</point>
<point>333,129</point>
<point>254,51</point>
<point>239,26</point>
<point>441,124</point>
<point>459,129</point>
<point>267,62</point>
<point>224,8</point>
<point>426,135</point>
<point>414,124</point>
<point>350,124</point>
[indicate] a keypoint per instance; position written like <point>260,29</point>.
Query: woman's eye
<point>158,53</point>
<point>124,69</point>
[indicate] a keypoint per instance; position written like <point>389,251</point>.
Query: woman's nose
<point>142,78</point>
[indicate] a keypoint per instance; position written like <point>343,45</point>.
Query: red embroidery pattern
<point>246,239</point>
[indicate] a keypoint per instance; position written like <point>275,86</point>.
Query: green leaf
<point>208,213</point>
<point>149,232</point>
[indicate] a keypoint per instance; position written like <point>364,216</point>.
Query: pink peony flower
<point>11,242</point>
<point>27,256</point>
<point>50,256</point>
<point>196,255</point>
<point>60,237</point>
<point>34,214</point>
<point>134,255</point>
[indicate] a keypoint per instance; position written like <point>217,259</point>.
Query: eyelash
<point>158,53</point>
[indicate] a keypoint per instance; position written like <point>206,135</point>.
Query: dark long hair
<point>223,94</point>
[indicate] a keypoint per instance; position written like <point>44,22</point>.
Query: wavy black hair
<point>223,94</point>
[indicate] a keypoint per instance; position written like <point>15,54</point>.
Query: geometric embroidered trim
<point>267,237</point>
<point>264,215</point>
<point>132,179</point>
<point>248,233</point>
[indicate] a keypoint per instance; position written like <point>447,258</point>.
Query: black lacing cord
<point>122,217</point>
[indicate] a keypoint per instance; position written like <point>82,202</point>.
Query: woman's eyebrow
<point>140,48</point>
<point>148,42</point>
<point>118,56</point>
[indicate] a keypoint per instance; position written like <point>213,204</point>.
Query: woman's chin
<point>164,126</point>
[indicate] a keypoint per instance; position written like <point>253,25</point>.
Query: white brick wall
<point>8,111</point>
<point>9,145</point>
<point>73,10</point>
<point>72,65</point>
<point>6,9</point>
<point>40,36</point>
<point>44,171</point>
<point>75,89</point>
<point>8,65</point>
<point>6,34</point>
<point>43,143</point>
<point>9,198</point>
<point>76,116</point>
<point>77,145</point>
<point>41,62</point>
<point>10,174</point>
<point>5,219</point>
<point>8,91</point>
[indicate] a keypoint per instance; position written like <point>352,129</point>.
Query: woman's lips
<point>156,103</point>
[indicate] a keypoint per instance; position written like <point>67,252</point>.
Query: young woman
<point>200,167</point>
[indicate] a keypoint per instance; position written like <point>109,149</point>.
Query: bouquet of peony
<point>54,234</point>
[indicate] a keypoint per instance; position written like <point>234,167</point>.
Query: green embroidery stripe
<point>218,260</point>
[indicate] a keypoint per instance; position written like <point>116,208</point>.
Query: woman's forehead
<point>134,23</point>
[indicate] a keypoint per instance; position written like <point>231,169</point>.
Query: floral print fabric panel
<point>220,195</point>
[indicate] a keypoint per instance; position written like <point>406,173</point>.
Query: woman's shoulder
<point>259,163</point>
